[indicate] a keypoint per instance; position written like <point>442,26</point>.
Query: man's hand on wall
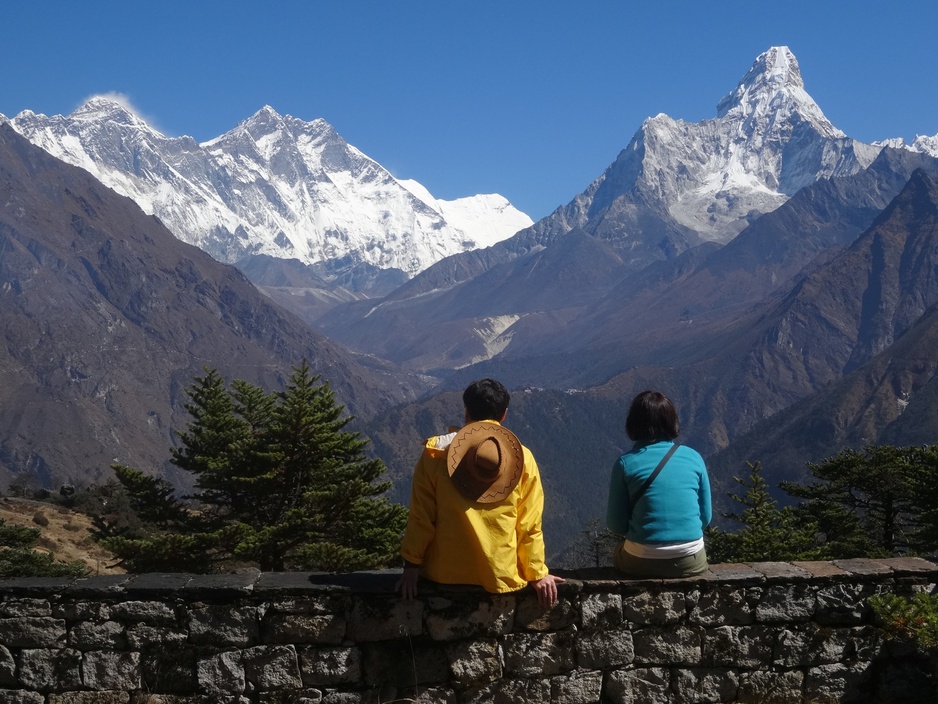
<point>546,588</point>
<point>407,584</point>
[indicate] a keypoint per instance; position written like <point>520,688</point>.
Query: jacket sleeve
<point>531,564</point>
<point>421,519</point>
<point>706,509</point>
<point>618,512</point>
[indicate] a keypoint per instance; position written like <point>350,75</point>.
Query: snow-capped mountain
<point>273,185</point>
<point>922,144</point>
<point>682,183</point>
<point>677,193</point>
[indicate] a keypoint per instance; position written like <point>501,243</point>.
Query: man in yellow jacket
<point>476,505</point>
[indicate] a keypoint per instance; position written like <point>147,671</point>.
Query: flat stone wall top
<point>232,586</point>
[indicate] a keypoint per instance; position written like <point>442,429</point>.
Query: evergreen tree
<point>18,558</point>
<point>874,502</point>
<point>767,533</point>
<point>279,483</point>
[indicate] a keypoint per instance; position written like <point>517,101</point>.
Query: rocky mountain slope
<point>107,317</point>
<point>274,185</point>
<point>604,268</point>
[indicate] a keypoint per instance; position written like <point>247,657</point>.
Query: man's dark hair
<point>485,399</point>
<point>652,417</point>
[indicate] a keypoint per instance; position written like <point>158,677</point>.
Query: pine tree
<point>767,533</point>
<point>279,483</point>
<point>874,502</point>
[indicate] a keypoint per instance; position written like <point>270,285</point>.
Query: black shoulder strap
<point>651,478</point>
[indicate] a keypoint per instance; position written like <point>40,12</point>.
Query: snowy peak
<point>774,86</point>
<point>706,181</point>
<point>102,108</point>
<point>274,185</point>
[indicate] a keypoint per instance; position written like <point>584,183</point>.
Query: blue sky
<point>528,98</point>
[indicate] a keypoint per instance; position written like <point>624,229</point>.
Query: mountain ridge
<point>107,318</point>
<point>272,185</point>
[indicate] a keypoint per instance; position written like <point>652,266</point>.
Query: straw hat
<point>485,462</point>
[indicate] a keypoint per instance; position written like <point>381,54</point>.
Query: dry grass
<point>63,533</point>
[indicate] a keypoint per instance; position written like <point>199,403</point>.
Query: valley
<point>775,277</point>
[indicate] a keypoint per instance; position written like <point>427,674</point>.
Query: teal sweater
<point>675,508</point>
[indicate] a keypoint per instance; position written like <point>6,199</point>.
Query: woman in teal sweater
<point>662,522</point>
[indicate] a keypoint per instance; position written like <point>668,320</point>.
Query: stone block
<point>170,668</point>
<point>577,688</point>
<point>641,686</point>
<point>82,611</point>
<point>7,668</point>
<point>601,611</point>
<point>99,586</point>
<point>404,663</point>
<point>329,666</point>
<point>789,603</point>
<point>327,603</point>
<point>863,566</point>
<point>268,667</point>
<point>681,645</point>
<point>766,687</point>
<point>774,571</point>
<point>607,648</point>
<point>844,604</point>
<point>814,645</point>
<point>535,654</point>
<point>531,616</point>
<point>655,608</point>
<point>718,607</point>
<point>223,626</point>
<point>221,674</point>
<point>50,670</point>
<point>472,617</point>
<point>735,572</point>
<point>909,565</point>
<point>841,682</point>
<point>21,696</point>
<point>142,635</point>
<point>152,612</point>
<point>111,670</point>
<point>95,635</point>
<point>509,691</point>
<point>32,632</point>
<point>738,646</point>
<point>156,585</point>
<point>705,685</point>
<point>474,663</point>
<point>820,570</point>
<point>20,608</point>
<point>384,618</point>
<point>302,629</point>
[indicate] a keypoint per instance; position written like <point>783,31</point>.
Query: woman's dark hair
<point>486,399</point>
<point>652,417</point>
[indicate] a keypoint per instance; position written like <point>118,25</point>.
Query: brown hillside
<point>66,535</point>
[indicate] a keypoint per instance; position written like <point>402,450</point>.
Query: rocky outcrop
<point>766,632</point>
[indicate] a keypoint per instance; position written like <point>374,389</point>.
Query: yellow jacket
<point>457,541</point>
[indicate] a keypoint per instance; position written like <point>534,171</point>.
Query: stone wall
<point>766,632</point>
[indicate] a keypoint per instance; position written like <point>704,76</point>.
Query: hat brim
<point>510,469</point>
